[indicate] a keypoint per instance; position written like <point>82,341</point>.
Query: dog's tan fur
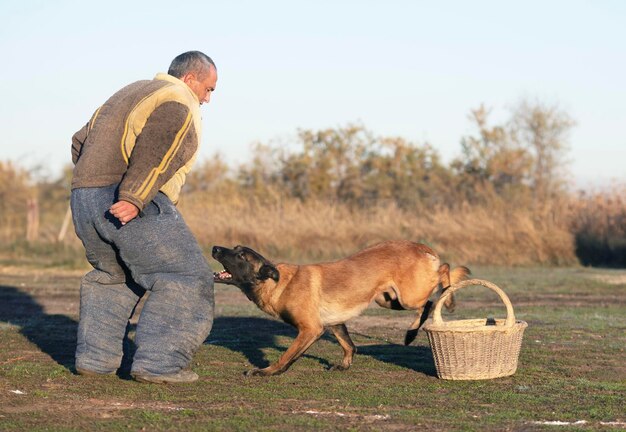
<point>315,297</point>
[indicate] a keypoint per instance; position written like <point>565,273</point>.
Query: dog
<point>395,274</point>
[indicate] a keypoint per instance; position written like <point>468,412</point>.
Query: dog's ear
<point>268,271</point>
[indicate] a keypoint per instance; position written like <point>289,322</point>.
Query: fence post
<point>32,220</point>
<point>66,224</point>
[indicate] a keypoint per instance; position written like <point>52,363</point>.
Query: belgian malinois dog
<point>395,274</point>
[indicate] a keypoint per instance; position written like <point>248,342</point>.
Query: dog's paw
<point>263,372</point>
<point>338,367</point>
<point>410,337</point>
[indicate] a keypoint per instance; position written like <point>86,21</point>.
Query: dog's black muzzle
<point>218,252</point>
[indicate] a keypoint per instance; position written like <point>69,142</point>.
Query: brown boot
<point>88,372</point>
<point>183,376</point>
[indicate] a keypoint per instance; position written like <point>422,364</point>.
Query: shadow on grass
<point>54,335</point>
<point>417,358</point>
<point>250,336</point>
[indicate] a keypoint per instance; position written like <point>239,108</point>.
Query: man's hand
<point>124,211</point>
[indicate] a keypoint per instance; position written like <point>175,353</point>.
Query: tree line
<point>509,178</point>
<point>522,160</point>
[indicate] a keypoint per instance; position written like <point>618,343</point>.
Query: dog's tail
<point>447,278</point>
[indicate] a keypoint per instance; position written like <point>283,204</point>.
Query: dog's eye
<point>240,255</point>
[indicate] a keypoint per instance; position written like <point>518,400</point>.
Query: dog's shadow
<point>250,336</point>
<point>417,358</point>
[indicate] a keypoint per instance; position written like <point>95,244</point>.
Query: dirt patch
<point>611,279</point>
<point>92,407</point>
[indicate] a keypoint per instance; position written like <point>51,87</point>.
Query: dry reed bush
<point>288,229</point>
<point>15,191</point>
<point>480,235</point>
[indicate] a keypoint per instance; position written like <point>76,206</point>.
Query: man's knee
<point>103,278</point>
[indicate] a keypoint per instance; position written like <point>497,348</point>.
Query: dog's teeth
<point>222,275</point>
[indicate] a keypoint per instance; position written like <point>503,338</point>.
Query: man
<point>131,160</point>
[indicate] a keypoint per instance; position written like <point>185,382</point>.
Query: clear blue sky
<point>404,68</point>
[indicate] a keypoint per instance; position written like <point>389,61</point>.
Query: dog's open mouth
<point>222,276</point>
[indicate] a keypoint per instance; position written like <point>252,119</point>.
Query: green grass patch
<point>570,367</point>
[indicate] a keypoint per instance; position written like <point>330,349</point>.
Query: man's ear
<point>187,78</point>
<point>268,271</point>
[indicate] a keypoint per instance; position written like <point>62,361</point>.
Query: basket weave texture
<point>471,349</point>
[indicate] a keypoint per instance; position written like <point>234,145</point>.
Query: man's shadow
<point>252,335</point>
<point>54,335</point>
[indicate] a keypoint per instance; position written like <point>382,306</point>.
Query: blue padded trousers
<point>155,252</point>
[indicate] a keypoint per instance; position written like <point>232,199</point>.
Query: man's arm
<point>77,142</point>
<point>166,143</point>
<point>79,138</point>
<point>124,211</point>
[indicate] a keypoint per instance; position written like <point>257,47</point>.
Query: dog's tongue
<point>220,276</point>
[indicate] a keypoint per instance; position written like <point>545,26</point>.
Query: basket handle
<point>510,316</point>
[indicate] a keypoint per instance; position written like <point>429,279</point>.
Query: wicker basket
<point>471,349</point>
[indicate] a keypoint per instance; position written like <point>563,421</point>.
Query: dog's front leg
<point>305,338</point>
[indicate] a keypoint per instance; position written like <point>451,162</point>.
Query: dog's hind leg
<point>341,333</point>
<point>456,275</point>
<point>422,316</point>
<point>411,299</point>
<point>446,278</point>
<point>444,284</point>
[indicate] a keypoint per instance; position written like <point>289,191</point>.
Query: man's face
<point>202,87</point>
